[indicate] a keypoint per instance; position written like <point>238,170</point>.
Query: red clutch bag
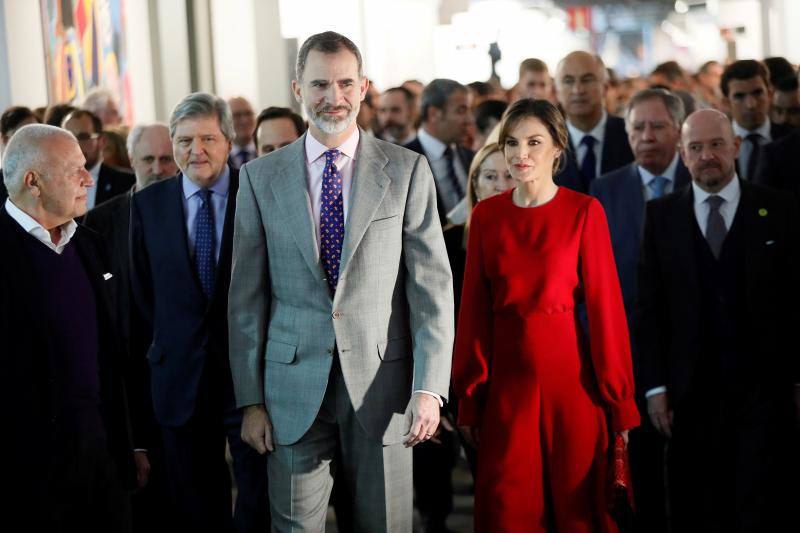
<point>620,478</point>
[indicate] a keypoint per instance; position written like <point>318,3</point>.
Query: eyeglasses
<point>83,137</point>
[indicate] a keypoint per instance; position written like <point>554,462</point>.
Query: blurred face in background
<point>394,115</point>
<point>580,85</point>
<point>493,177</point>
<point>535,84</point>
<point>152,158</point>
<point>244,120</point>
<point>451,124</point>
<point>91,142</point>
<point>749,102</point>
<point>275,133</point>
<point>786,108</point>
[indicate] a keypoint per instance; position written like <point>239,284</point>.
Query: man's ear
<point>31,180</point>
<point>364,87</point>
<point>296,91</point>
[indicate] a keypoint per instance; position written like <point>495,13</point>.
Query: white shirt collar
<point>32,227</point>
<point>95,171</point>
<point>598,132</point>
<point>433,147</point>
<point>220,186</point>
<point>315,149</point>
<point>730,193</point>
<point>764,130</point>
<point>669,173</point>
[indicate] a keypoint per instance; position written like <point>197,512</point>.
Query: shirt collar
<point>30,225</point>
<point>95,171</point>
<point>315,149</point>
<point>763,130</point>
<point>219,187</point>
<point>669,173</point>
<point>432,146</point>
<point>248,148</point>
<point>730,193</point>
<point>598,132</point>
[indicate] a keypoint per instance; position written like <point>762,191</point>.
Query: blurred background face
<point>786,108</point>
<point>653,135</point>
<point>493,177</point>
<point>90,141</point>
<point>709,150</point>
<point>275,133</point>
<point>394,116</point>
<point>109,115</point>
<point>152,158</point>
<point>200,149</point>
<point>529,151</point>
<point>749,101</point>
<point>244,120</point>
<point>711,77</point>
<point>580,86</point>
<point>535,84</point>
<point>453,122</point>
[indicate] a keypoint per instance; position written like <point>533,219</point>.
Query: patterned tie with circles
<point>204,243</point>
<point>331,219</point>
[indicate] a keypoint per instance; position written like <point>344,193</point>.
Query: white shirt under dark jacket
<point>37,230</point>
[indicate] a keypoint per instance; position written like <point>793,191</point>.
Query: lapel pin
<point>107,276</point>
<point>762,212</point>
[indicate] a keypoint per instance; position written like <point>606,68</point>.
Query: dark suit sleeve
<point>650,310</point>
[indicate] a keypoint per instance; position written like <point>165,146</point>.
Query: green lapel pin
<point>762,212</point>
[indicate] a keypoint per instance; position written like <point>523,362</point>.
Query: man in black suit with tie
<point>108,181</point>
<point>715,315</point>
<point>597,142</point>
<point>68,444</point>
<point>653,121</point>
<point>745,85</point>
<point>779,168</point>
<point>445,115</point>
<point>181,240</point>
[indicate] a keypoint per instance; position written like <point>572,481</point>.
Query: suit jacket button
<point>337,315</point>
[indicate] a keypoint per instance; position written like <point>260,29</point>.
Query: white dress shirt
<point>434,152</point>
<point>599,134</point>
<point>747,149</point>
<point>91,192</point>
<point>37,230</point>
<point>669,174</point>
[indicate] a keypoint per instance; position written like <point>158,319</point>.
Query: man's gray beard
<point>332,127</point>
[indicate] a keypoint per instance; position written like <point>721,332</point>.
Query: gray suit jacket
<point>391,319</point>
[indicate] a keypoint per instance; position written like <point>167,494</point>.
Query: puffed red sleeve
<point>473,357</point>
<point>608,327</point>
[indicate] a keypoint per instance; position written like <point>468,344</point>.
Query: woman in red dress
<point>535,393</point>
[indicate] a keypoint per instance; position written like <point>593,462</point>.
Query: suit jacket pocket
<point>280,352</point>
<point>385,222</point>
<point>155,355</point>
<point>394,349</point>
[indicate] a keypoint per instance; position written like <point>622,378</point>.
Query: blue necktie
<point>331,219</point>
<point>658,185</point>
<point>204,243</point>
<point>589,163</point>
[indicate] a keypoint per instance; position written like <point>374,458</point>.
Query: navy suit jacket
<point>112,182</point>
<point>622,196</point>
<point>189,332</point>
<point>616,153</point>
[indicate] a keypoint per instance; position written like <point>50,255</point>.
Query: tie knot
<point>588,141</point>
<point>658,184</point>
<point>205,195</point>
<point>331,155</point>
<point>715,202</point>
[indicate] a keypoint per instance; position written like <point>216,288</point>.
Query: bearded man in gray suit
<point>340,306</point>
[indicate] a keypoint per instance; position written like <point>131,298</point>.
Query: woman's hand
<point>624,435</point>
<point>471,434</point>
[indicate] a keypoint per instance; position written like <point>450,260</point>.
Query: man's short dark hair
<point>97,124</point>
<point>787,84</point>
<point>411,100</point>
<point>436,94</point>
<point>55,114</point>
<point>274,112</point>
<point>13,117</point>
<point>744,69</point>
<point>671,70</point>
<point>488,110</point>
<point>328,42</point>
<point>481,88</point>
<point>778,68</point>
<point>532,64</point>
<point>707,65</point>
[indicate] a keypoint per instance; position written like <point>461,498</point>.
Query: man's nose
<point>88,180</point>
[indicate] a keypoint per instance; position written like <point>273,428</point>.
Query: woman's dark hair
<point>547,114</point>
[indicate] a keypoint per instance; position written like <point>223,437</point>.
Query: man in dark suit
<point>779,167</point>
<point>597,142</point>
<point>150,150</point>
<point>181,238</point>
<point>446,116</point>
<point>653,121</point>
<point>108,181</point>
<point>715,317</point>
<point>746,87</point>
<point>70,451</point>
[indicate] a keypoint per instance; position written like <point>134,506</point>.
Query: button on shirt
<point>192,201</point>
<point>434,152</point>
<point>37,230</point>
<point>747,149</point>
<point>598,132</point>
<point>669,174</point>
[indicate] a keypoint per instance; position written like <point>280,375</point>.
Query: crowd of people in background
<point>698,178</point>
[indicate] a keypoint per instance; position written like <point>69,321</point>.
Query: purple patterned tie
<point>331,219</point>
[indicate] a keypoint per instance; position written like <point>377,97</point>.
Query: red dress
<point>524,371</point>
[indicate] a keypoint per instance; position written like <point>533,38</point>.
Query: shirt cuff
<point>143,450</point>
<point>429,393</point>
<point>654,391</point>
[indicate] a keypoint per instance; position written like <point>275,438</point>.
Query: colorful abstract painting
<point>85,48</point>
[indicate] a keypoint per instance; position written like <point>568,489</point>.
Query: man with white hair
<point>103,103</point>
<point>61,390</point>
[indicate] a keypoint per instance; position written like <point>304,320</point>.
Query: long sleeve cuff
<point>429,393</point>
<point>655,390</point>
<point>624,415</point>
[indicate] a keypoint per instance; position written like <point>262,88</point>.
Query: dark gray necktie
<point>755,151</point>
<point>715,227</point>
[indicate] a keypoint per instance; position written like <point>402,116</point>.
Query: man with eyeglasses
<point>108,181</point>
<point>598,143</point>
<point>243,148</point>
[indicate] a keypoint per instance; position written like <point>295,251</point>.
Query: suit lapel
<point>754,236</point>
<point>682,232</point>
<point>226,246</point>
<point>290,187</point>
<point>636,202</point>
<point>370,183</point>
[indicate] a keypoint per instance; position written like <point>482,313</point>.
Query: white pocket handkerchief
<point>107,276</point>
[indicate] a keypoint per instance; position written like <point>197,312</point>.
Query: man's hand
<point>424,412</point>
<point>660,413</point>
<point>142,468</point>
<point>471,434</point>
<point>257,429</point>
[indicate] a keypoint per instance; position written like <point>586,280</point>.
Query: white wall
<point>24,45</point>
<point>140,66</point>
